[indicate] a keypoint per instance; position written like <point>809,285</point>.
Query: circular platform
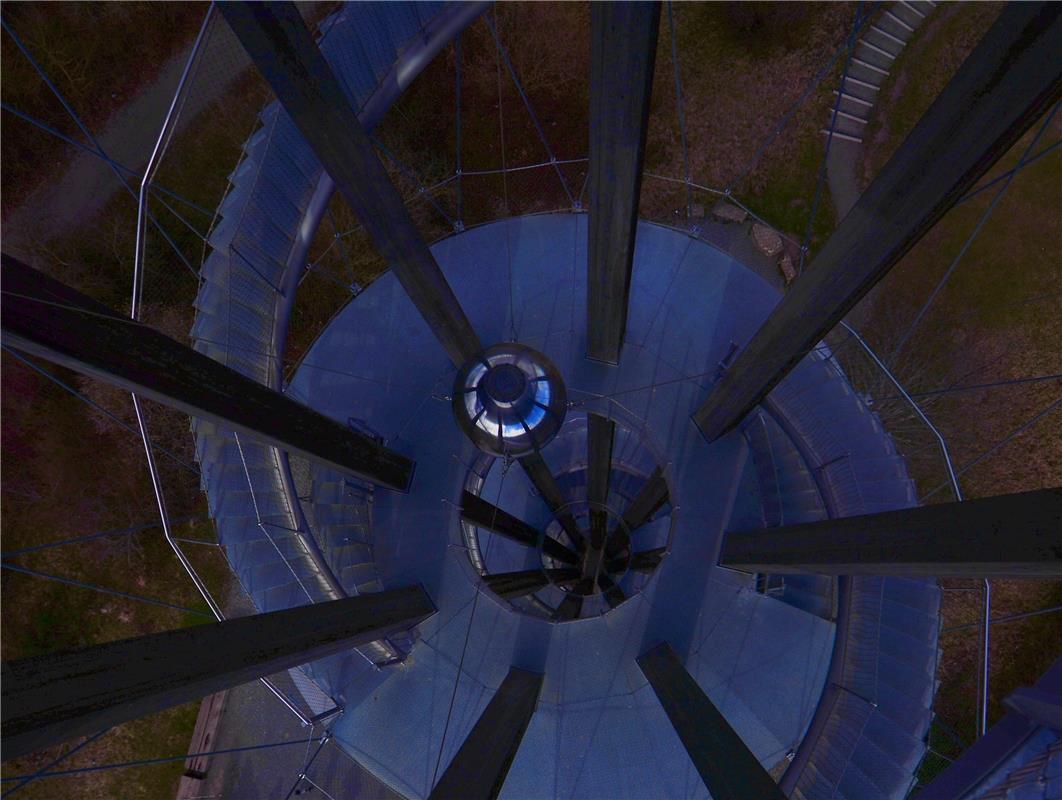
<point>762,661</point>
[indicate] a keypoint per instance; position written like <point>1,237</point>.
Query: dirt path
<point>84,188</point>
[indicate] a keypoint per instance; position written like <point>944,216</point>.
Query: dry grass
<point>98,54</point>
<point>995,319</point>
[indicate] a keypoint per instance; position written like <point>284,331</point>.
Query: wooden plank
<point>59,696</point>
<point>1010,79</point>
<point>727,767</point>
<point>478,770</point>
<point>44,317</point>
<point>1009,535</point>
<point>206,725</point>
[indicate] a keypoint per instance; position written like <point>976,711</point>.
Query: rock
<point>766,239</point>
<point>727,212</point>
<point>785,266</point>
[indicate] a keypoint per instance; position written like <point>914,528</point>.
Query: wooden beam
<point>538,472</point>
<point>651,496</point>
<point>479,769</point>
<point>46,318</point>
<point>281,47</point>
<point>645,561</point>
<point>622,54</point>
<point>59,696</point>
<point>599,436</point>
<point>728,768</point>
<point>1010,79</point>
<point>1009,535</point>
<point>511,585</point>
<point>486,515</point>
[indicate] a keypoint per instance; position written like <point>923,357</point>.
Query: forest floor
<point>739,76</point>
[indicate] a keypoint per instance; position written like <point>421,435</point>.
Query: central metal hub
<point>509,400</point>
<point>505,384</point>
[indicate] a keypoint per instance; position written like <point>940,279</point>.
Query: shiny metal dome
<point>509,400</point>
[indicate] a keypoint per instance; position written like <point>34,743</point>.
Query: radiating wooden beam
<point>1009,535</point>
<point>622,53</point>
<point>651,496</point>
<point>511,585</point>
<point>599,436</point>
<point>485,514</point>
<point>538,472</point>
<point>479,769</point>
<point>46,318</point>
<point>613,594</point>
<point>1010,79</point>
<point>281,47</point>
<point>728,768</point>
<point>59,696</point>
<point>572,605</point>
<point>645,561</point>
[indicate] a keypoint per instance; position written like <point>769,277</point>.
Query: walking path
<point>87,184</point>
<point>874,55</point>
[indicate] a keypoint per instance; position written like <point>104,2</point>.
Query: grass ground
<point>98,54</point>
<point>739,75</point>
<point>995,319</point>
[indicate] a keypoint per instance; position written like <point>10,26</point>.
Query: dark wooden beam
<point>645,561</point>
<point>1010,79</point>
<point>651,496</point>
<point>46,318</point>
<point>613,594</point>
<point>516,584</point>
<point>599,436</point>
<point>478,770</point>
<point>59,696</point>
<point>622,53</point>
<point>572,605</point>
<point>281,47</point>
<point>485,514</point>
<point>728,768</point>
<point>1009,535</point>
<point>538,472</point>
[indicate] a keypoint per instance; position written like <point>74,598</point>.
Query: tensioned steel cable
<point>1002,442</point>
<point>970,239</point>
<point>54,762</point>
<point>506,464</point>
<point>104,590</point>
<point>146,761</point>
<point>93,404</point>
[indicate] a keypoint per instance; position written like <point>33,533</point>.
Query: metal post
<point>51,698</point>
<point>1012,77</point>
<point>281,47</point>
<point>727,767</point>
<point>1011,534</point>
<point>622,54</point>
<point>478,770</point>
<point>46,318</point>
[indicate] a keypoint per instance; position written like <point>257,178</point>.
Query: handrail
<point>917,408</point>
